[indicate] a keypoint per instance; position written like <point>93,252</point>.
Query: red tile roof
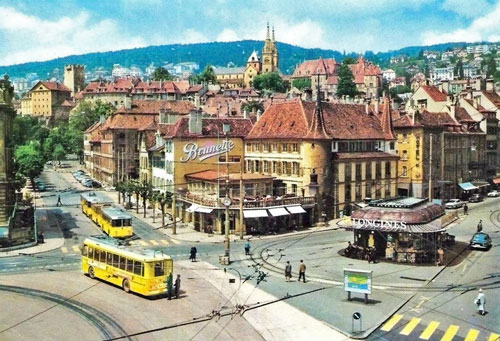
<point>363,68</point>
<point>493,97</point>
<point>211,127</point>
<point>461,115</point>
<point>154,107</point>
<point>426,119</point>
<point>53,86</point>
<point>434,93</point>
<point>294,119</point>
<point>311,67</point>
<point>127,121</point>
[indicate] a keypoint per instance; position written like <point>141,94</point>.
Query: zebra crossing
<point>137,242</point>
<point>417,329</point>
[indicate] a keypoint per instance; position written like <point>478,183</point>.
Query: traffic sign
<point>356,316</point>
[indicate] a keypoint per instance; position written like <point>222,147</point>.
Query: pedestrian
<point>169,285</point>
<point>247,247</point>
<point>466,209</point>
<point>41,238</point>
<point>348,250</point>
<point>480,225</point>
<point>373,255</point>
<point>177,286</point>
<point>480,302</point>
<point>440,253</point>
<point>59,202</point>
<point>302,271</point>
<point>288,271</point>
<point>192,254</point>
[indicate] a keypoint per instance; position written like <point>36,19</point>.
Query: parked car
<point>87,182</point>
<point>493,194</point>
<point>480,240</point>
<point>476,198</point>
<point>96,184</point>
<point>40,187</point>
<point>454,203</point>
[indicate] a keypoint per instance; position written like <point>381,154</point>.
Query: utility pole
<point>227,202</point>
<point>174,214</point>
<point>242,219</point>
<point>430,168</point>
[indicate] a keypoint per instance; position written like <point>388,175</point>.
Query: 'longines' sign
<point>193,151</point>
<point>386,224</point>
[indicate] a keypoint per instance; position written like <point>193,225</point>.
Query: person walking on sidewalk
<point>59,202</point>
<point>247,248</point>
<point>288,271</point>
<point>480,225</point>
<point>440,254</point>
<point>169,285</point>
<point>177,286</point>
<point>480,302</point>
<point>466,209</point>
<point>192,254</point>
<point>302,271</point>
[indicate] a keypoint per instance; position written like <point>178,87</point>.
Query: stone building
<point>74,78</point>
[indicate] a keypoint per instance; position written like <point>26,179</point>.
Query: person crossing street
<point>302,271</point>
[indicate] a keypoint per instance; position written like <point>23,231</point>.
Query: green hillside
<point>216,53</point>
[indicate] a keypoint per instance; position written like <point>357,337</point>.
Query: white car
<point>493,194</point>
<point>454,203</point>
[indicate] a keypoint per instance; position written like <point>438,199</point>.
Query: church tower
<point>269,53</point>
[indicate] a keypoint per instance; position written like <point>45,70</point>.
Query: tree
<point>87,113</point>
<point>29,161</point>
<point>59,154</point>
<point>207,76</point>
<point>346,85</point>
<point>145,190</point>
<point>19,182</point>
<point>161,74</point>
<point>491,67</point>
<point>153,198</point>
<point>349,60</point>
<point>302,83</point>
<point>164,199</point>
<point>459,69</point>
<point>269,81</point>
<point>129,190</point>
<point>252,105</point>
<point>26,129</point>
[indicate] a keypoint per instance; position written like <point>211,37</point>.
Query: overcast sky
<point>36,30</point>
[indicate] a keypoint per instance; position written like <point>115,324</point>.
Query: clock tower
<point>269,53</point>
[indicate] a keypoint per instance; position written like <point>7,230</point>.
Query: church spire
<point>267,34</point>
<point>272,39</point>
<point>317,129</point>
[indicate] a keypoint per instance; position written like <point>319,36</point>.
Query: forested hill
<point>216,53</point>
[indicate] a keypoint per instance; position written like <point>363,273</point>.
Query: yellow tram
<point>141,271</point>
<point>113,221</point>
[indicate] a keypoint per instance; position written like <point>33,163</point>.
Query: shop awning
<point>467,186</point>
<point>204,209</point>
<point>192,208</point>
<point>296,209</point>
<point>496,181</point>
<point>480,184</point>
<point>255,213</point>
<point>279,211</point>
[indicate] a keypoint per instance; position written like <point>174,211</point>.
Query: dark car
<point>480,241</point>
<point>475,198</point>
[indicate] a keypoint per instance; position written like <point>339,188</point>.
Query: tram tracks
<point>103,323</point>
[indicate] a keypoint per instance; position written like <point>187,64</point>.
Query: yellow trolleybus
<point>113,221</point>
<point>138,270</point>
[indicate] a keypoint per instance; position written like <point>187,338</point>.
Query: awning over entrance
<point>204,209</point>
<point>192,208</point>
<point>296,209</point>
<point>467,186</point>
<point>279,211</point>
<point>480,184</point>
<point>255,213</point>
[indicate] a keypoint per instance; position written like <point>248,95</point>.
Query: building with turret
<point>74,78</point>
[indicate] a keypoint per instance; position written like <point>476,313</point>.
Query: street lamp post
<point>227,200</point>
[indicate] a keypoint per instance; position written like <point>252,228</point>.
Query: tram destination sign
<point>192,151</point>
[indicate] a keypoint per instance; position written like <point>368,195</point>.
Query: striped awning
<point>467,186</point>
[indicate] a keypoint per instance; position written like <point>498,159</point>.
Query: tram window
<point>103,257</point>
<point>123,261</point>
<point>159,270</point>
<point>91,253</point>
<point>126,222</point>
<point>130,265</point>
<point>138,269</point>
<point>97,254</point>
<point>84,250</point>
<point>115,223</point>
<point>116,260</point>
<point>109,259</point>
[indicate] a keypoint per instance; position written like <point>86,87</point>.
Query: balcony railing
<point>257,203</point>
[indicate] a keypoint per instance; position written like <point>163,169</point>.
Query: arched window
<point>404,171</point>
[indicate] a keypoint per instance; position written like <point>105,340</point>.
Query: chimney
<point>197,101</point>
<point>127,103</point>
<point>259,114</point>
<point>452,110</point>
<point>102,119</point>
<point>490,86</point>
<point>195,121</point>
<point>477,84</point>
<point>477,101</point>
<point>376,105</point>
<point>163,117</point>
<point>245,114</point>
<point>367,108</point>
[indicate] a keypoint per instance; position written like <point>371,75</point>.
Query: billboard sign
<point>358,281</point>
